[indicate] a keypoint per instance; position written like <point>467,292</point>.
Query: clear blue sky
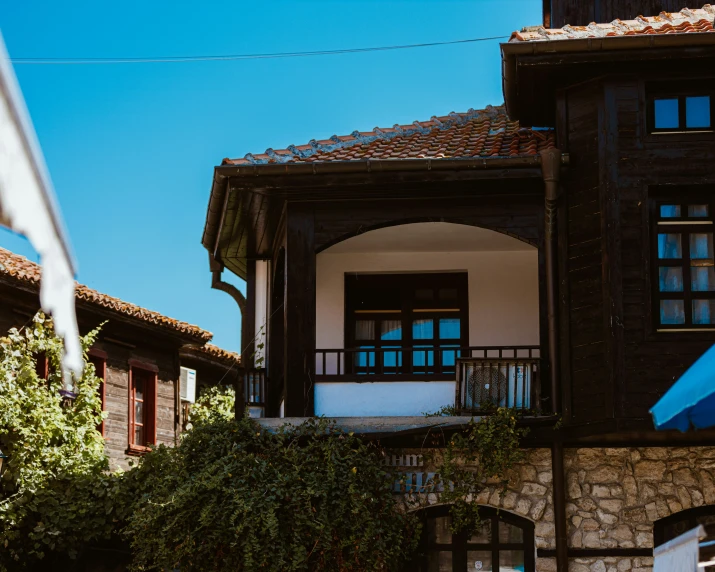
<point>131,148</point>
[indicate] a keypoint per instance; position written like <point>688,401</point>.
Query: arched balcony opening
<point>422,316</point>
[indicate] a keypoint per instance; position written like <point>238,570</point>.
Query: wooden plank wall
<point>583,12</point>
<point>583,295</point>
<point>651,360</point>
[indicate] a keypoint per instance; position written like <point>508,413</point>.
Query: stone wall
<point>613,497</point>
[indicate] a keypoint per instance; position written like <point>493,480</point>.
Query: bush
<point>232,496</point>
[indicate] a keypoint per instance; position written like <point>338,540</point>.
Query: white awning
<point>28,206</point>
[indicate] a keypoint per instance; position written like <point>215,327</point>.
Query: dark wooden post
<point>248,333</point>
<point>299,310</point>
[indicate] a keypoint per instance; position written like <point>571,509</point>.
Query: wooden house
<point>553,255</point>
<point>141,356</point>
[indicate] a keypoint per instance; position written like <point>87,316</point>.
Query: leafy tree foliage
<point>215,400</point>
<point>233,496</point>
<point>56,493</point>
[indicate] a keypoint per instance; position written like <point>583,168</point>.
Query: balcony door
<point>406,324</point>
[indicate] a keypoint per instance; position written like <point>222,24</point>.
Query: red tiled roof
<point>687,21</point>
<point>215,352</point>
<point>482,133</point>
<point>21,269</point>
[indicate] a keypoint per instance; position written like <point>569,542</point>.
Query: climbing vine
<point>483,455</point>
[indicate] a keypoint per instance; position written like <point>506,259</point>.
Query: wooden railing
<point>254,387</point>
<point>510,379</point>
<point>409,364</point>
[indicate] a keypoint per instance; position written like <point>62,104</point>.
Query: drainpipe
<point>235,293</point>
<point>551,160</point>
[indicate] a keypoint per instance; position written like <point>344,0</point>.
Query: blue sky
<point>131,148</point>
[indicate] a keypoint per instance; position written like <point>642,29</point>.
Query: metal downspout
<point>551,160</point>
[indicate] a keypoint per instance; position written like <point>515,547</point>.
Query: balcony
<point>415,380</point>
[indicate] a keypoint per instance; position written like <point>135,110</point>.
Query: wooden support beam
<point>299,310</point>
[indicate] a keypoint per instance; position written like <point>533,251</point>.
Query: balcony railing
<point>254,387</point>
<point>431,364</point>
<point>511,379</point>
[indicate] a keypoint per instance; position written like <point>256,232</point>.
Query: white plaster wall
<point>503,291</point>
<point>503,310</point>
<point>261,327</point>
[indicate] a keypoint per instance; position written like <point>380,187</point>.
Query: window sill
<point>137,450</point>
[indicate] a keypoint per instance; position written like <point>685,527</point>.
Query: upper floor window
<point>142,408</point>
<point>406,323</point>
<point>504,542</point>
<point>672,109</point>
<point>676,524</point>
<point>684,264</point>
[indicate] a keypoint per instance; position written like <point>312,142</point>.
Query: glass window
<point>365,330</point>
<point>698,211</point>
<point>703,279</point>
<point>449,328</point>
<point>142,408</point>
<point>672,312</point>
<point>671,278</point>
<point>670,246</point>
<point>701,246</point>
<point>669,211</point>
<point>391,330</point>
<point>666,113</point>
<point>511,549</point>
<point>423,329</point>
<point>697,112</point>
<point>704,312</point>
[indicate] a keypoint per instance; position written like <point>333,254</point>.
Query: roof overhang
<point>529,67</point>
<point>273,183</point>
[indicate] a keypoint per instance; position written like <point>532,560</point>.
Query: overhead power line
<point>234,57</point>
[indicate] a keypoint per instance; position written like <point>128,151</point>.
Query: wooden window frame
<point>679,91</point>
<point>406,284</point>
<point>98,358</point>
<point>150,402</point>
<point>460,546</point>
<point>684,226</point>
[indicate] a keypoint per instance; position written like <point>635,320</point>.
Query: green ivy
<point>232,496</point>
<point>215,400</point>
<point>482,456</point>
<point>56,493</point>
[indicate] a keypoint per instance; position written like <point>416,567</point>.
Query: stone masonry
<point>613,497</point>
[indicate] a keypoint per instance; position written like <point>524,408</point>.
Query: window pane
<point>439,562</point>
<point>365,359</point>
<point>424,294</point>
<point>139,435</point>
<point>392,359</point>
<point>365,330</point>
<point>666,113</point>
<point>479,560</point>
<point>391,330</point>
<point>138,386</point>
<point>483,534</point>
<point>672,312</point>
<point>449,356</point>
<point>139,411</point>
<point>422,356</point>
<point>510,534</point>
<point>703,312</point>
<point>696,211</point>
<point>511,560</point>
<point>669,211</point>
<point>701,246</point>
<point>423,329</point>
<point>438,530</point>
<point>447,294</point>
<point>449,328</point>
<point>671,278</point>
<point>697,112</point>
<point>669,246</point>
<point>703,278</point>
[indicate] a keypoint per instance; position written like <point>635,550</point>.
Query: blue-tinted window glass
<point>703,312</point>
<point>391,359</point>
<point>669,246</point>
<point>449,355</point>
<point>391,330</point>
<point>666,113</point>
<point>670,278</point>
<point>422,356</point>
<point>672,312</point>
<point>365,359</point>
<point>669,211</point>
<point>423,329</point>
<point>697,112</point>
<point>449,328</point>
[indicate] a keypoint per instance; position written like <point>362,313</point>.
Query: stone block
<point>611,505</point>
<point>649,470</point>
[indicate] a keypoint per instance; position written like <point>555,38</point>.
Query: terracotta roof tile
<point>21,269</point>
<point>687,21</point>
<point>482,133</point>
<point>212,351</point>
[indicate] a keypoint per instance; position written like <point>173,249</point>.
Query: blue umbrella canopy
<point>691,400</point>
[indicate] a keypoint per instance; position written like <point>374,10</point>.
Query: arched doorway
<point>504,543</point>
